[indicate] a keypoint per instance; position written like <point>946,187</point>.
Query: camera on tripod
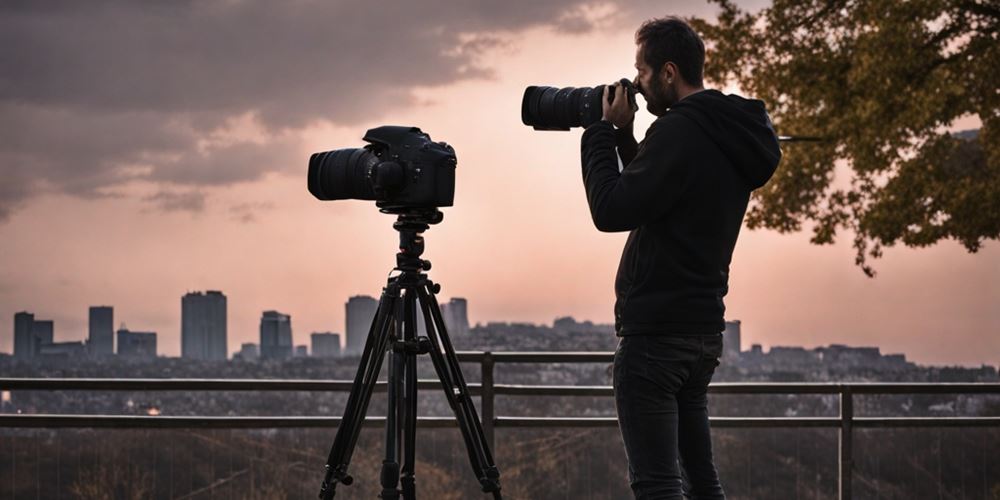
<point>401,169</point>
<point>411,176</point>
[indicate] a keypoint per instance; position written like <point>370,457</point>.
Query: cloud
<point>175,201</point>
<point>247,212</point>
<point>99,93</point>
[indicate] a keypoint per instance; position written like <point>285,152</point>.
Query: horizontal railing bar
<point>715,388</point>
<point>552,390</point>
<point>924,387</point>
<point>193,422</point>
<point>777,388</point>
<point>166,421</point>
<point>157,384</point>
<point>890,422</point>
<point>554,357</point>
<point>765,388</point>
<point>470,356</point>
<point>715,422</point>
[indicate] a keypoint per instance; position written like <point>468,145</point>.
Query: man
<point>682,195</point>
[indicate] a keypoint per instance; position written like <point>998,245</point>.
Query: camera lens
<point>342,174</point>
<point>563,112</point>
<point>551,108</point>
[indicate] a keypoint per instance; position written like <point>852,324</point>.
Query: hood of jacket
<point>740,127</point>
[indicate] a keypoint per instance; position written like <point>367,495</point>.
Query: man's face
<point>653,86</point>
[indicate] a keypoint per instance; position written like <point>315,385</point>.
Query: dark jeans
<point>661,392</point>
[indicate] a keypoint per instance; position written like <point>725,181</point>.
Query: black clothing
<point>661,384</point>
<point>682,194</point>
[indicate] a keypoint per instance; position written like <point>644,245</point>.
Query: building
<point>203,326</point>
<point>24,340</point>
<point>63,351</point>
<point>136,345</point>
<point>301,351</point>
<point>360,314</point>
<point>275,335</point>
<point>731,340</point>
<point>30,335</point>
<point>456,316</point>
<point>247,352</point>
<point>569,326</point>
<point>101,335</point>
<point>325,344</point>
<point>44,332</point>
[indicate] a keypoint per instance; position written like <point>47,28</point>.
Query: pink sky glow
<point>518,244</point>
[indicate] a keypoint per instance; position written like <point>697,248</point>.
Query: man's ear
<point>668,73</point>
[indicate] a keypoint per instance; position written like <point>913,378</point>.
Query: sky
<point>149,150</point>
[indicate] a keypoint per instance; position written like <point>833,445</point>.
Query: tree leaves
<point>880,81</point>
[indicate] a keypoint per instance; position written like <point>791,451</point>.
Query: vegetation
<point>880,82</point>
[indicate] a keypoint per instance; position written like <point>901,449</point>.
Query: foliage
<point>879,81</point>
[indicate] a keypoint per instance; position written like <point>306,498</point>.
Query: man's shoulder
<point>671,125</point>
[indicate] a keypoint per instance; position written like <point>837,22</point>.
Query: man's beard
<point>659,97</point>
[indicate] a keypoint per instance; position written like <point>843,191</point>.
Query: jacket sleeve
<point>627,147</point>
<point>648,185</point>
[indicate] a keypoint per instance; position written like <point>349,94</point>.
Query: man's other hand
<point>619,111</point>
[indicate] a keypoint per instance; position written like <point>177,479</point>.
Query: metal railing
<point>488,390</point>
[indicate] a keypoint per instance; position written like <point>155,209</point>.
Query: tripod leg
<point>457,393</point>
<point>409,406</point>
<point>357,403</point>
<point>389,478</point>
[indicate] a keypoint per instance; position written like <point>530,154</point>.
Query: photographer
<point>682,195</point>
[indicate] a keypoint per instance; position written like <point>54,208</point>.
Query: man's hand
<point>619,112</point>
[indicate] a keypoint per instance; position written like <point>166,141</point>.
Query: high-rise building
<point>731,339</point>
<point>456,316</point>
<point>30,335</point>
<point>203,326</point>
<point>360,314</point>
<point>325,345</point>
<point>101,336</point>
<point>136,345</point>
<point>24,339</point>
<point>275,335</point>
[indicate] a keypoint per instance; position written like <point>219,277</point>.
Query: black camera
<point>400,168</point>
<point>551,108</point>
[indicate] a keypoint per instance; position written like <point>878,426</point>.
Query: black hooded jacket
<point>682,195</point>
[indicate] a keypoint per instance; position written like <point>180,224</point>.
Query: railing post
<point>488,417</point>
<point>846,442</point>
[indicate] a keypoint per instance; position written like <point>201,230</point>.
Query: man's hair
<point>672,39</point>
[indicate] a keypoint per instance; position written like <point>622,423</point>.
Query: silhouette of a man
<point>681,195</point>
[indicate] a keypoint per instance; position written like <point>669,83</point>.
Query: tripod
<point>394,327</point>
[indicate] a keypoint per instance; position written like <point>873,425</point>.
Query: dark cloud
<point>98,93</point>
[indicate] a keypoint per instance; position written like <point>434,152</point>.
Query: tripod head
<point>411,223</point>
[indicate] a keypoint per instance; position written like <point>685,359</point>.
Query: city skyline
<point>204,333</point>
<point>276,332</point>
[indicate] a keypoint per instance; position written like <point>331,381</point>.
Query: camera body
<point>401,169</point>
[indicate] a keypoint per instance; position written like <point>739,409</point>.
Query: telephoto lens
<point>551,108</point>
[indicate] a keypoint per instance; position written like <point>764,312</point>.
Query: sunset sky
<point>151,149</point>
